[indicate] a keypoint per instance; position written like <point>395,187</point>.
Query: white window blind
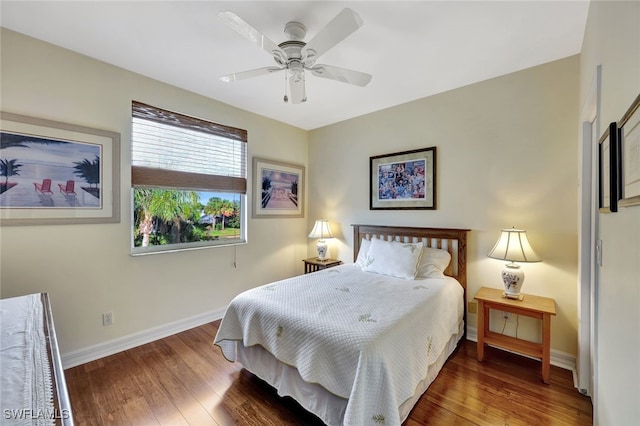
<point>177,151</point>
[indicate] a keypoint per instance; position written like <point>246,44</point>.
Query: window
<point>188,181</point>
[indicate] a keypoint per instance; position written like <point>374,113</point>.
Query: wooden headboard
<point>452,240</point>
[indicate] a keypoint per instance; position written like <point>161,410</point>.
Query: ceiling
<point>413,49</point>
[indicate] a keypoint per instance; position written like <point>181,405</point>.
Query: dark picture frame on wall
<point>608,169</point>
<point>403,180</point>
<point>629,127</point>
<point>56,173</point>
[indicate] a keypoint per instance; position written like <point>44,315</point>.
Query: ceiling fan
<point>294,56</point>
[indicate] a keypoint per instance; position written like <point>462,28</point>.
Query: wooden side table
<point>531,306</point>
<point>314,264</point>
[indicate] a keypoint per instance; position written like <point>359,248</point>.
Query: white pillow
<point>393,258</point>
<point>433,263</point>
<point>362,253</point>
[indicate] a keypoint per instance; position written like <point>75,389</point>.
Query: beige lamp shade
<point>513,246</point>
<point>321,230</point>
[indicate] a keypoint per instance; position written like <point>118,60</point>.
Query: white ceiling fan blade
<point>236,23</point>
<point>334,32</point>
<point>297,89</point>
<point>248,74</point>
<point>341,74</point>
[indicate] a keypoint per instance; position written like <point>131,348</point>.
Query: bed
<point>359,343</point>
<point>32,385</point>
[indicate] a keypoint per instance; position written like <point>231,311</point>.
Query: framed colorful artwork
<point>403,180</point>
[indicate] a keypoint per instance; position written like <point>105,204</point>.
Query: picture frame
<point>278,190</point>
<point>403,180</point>
<point>56,173</point>
<point>608,169</point>
<point>629,127</point>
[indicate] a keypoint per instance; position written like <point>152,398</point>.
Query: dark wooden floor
<point>184,380</point>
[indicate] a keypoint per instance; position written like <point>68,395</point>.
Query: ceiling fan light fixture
<point>295,67</point>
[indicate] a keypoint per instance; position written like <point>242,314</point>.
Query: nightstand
<point>531,306</point>
<point>314,264</point>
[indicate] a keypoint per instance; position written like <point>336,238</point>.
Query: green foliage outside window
<point>166,216</point>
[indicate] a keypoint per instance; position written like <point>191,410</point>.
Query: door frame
<point>587,240</point>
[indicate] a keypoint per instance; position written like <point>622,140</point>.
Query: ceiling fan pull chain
<point>304,89</point>
<point>286,98</point>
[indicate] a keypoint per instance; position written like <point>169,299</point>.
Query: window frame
<point>144,176</point>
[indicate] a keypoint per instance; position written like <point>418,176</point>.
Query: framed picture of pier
<point>278,189</point>
<point>54,173</point>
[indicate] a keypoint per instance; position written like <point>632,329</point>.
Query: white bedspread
<point>25,374</point>
<point>364,337</point>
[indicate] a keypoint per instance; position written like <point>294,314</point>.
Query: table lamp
<point>321,231</point>
<point>513,246</point>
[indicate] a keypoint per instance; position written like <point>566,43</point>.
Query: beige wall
<point>506,156</point>
<point>87,269</point>
<point>612,40</point>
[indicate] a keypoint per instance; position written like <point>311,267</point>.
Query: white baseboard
<point>558,358</point>
<point>110,347</point>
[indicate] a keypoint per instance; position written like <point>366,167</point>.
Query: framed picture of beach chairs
<point>278,189</point>
<point>54,173</point>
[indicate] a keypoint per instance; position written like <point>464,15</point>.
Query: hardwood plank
<point>205,387</point>
<point>82,395</point>
<point>427,412</point>
<point>185,380</point>
<point>166,366</point>
<point>112,388</point>
<point>162,405</point>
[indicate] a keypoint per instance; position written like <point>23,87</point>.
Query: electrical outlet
<point>508,316</point>
<point>472,307</point>
<point>107,318</point>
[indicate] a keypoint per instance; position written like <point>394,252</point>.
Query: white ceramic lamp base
<point>322,250</point>
<point>512,278</point>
